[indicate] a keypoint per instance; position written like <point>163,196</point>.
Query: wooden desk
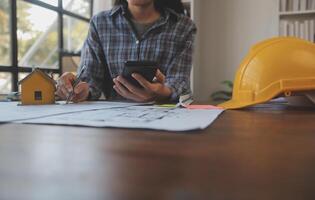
<point>263,153</point>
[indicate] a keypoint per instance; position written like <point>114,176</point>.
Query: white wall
<point>227,29</point>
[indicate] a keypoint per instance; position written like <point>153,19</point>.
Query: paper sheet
<point>139,117</point>
<point>109,114</point>
<point>11,111</point>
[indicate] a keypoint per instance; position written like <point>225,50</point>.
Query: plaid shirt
<point>112,40</point>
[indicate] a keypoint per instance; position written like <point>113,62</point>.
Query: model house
<point>37,88</point>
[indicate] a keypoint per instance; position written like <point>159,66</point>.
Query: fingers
<point>143,82</point>
<point>127,90</point>
<point>123,91</point>
<point>62,92</point>
<point>157,89</point>
<point>159,76</point>
<point>81,87</point>
<point>64,85</point>
<point>65,88</point>
<point>66,80</point>
<point>133,89</point>
<point>81,92</point>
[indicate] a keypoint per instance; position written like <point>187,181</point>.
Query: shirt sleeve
<point>178,72</point>
<point>93,58</point>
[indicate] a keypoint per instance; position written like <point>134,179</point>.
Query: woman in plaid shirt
<point>154,30</point>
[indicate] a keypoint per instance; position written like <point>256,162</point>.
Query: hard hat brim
<point>232,104</point>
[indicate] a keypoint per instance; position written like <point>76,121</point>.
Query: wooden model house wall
<point>37,88</point>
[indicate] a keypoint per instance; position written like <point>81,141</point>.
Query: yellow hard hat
<point>273,67</point>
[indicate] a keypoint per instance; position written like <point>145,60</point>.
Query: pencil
<point>76,82</point>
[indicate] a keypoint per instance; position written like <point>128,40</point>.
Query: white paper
<point>11,111</point>
<point>139,117</point>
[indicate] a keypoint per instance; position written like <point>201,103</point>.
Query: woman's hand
<point>150,91</point>
<point>64,88</point>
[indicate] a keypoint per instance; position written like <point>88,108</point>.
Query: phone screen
<point>147,69</point>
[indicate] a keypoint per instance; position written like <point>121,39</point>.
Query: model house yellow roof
<point>44,75</point>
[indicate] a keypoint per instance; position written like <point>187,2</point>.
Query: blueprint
<point>109,114</point>
<point>139,117</point>
<point>12,111</point>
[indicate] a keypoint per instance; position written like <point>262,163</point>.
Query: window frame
<point>14,68</point>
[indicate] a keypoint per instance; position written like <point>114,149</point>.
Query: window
<point>74,32</point>
<point>39,33</point>
<point>5,82</point>
<point>4,33</point>
<point>38,95</point>
<point>82,7</point>
<point>51,2</point>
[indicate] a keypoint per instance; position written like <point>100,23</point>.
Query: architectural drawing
<point>139,117</point>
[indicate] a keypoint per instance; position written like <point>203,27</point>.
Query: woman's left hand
<point>150,91</point>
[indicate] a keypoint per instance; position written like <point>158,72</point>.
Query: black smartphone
<point>147,69</point>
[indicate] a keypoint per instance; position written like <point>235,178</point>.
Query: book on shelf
<point>291,31</point>
<point>284,28</point>
<point>298,28</point>
<point>290,5</point>
<point>303,5</point>
<point>312,30</point>
<point>283,5</point>
<point>296,5</point>
<point>304,29</point>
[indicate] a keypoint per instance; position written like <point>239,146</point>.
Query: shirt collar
<point>166,13</point>
<point>116,9</point>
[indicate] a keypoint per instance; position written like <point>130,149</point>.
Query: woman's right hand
<point>65,88</point>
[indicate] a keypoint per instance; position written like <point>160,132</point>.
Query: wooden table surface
<point>260,153</point>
